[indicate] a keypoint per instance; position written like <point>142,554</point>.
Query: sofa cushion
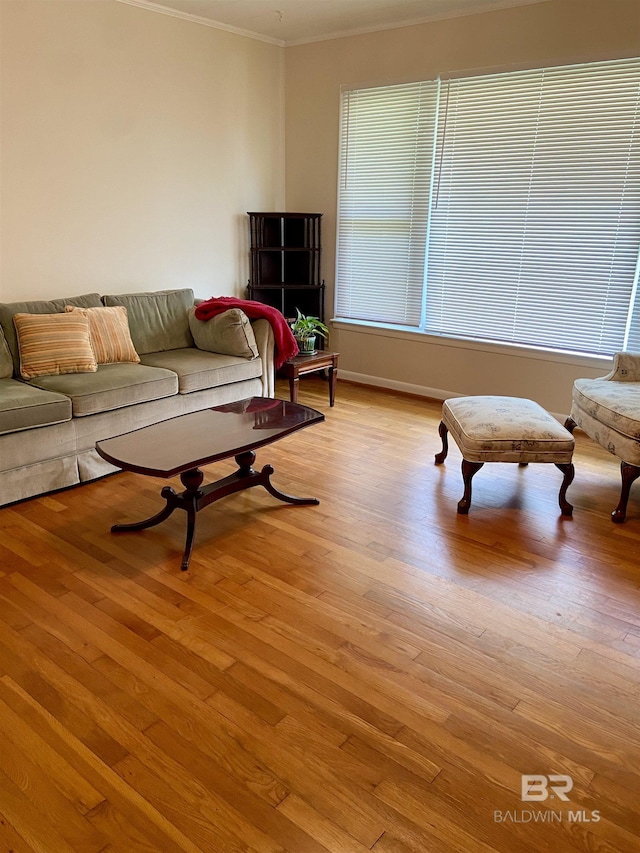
<point>228,333</point>
<point>54,344</point>
<point>109,331</point>
<point>113,386</point>
<point>198,370</point>
<point>158,321</point>
<point>6,362</point>
<point>615,404</point>
<point>24,407</point>
<point>40,306</point>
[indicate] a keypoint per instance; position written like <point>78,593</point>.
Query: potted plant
<point>305,330</point>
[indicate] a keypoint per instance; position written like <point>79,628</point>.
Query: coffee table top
<point>188,441</point>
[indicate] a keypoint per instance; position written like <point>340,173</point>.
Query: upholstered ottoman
<point>504,429</point>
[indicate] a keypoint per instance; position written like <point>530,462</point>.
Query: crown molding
<point>197,19</point>
<point>489,6</point>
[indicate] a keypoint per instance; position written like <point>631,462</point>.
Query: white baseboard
<point>416,390</point>
<point>394,385</point>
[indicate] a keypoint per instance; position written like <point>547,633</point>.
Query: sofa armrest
<point>626,368</point>
<point>265,341</point>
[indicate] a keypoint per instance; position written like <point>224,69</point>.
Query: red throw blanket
<point>285,344</point>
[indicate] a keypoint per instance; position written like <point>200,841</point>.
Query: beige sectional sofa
<point>49,424</point>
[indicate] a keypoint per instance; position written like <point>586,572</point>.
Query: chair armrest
<point>265,341</point>
<point>626,368</point>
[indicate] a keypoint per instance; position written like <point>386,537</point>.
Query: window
<point>504,207</point>
<point>385,182</point>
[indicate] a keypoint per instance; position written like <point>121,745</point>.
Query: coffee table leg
<point>294,384</point>
<point>265,480</point>
<point>193,499</point>
<point>191,480</point>
<point>187,500</point>
<point>170,496</point>
<point>262,478</point>
<point>244,462</point>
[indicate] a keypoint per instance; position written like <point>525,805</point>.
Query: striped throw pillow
<point>110,335</point>
<point>53,344</point>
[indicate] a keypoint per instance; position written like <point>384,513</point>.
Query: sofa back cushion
<point>6,362</point>
<point>158,321</point>
<point>51,306</point>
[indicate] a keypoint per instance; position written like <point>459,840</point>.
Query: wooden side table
<point>301,364</point>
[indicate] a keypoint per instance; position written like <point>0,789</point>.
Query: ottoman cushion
<point>506,429</point>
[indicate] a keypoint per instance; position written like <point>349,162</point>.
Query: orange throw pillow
<point>110,335</point>
<point>51,344</point>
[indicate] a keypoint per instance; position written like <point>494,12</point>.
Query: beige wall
<point>133,144</point>
<point>555,32</point>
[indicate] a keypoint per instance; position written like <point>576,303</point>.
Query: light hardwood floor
<point>372,674</point>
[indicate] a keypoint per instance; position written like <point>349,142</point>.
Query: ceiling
<point>288,22</point>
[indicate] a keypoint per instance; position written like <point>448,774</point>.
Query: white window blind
<point>386,162</point>
<point>534,224</point>
<point>536,220</point>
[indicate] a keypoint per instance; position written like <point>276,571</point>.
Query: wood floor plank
<point>346,805</point>
<point>266,651</point>
<point>219,679</point>
<point>63,774</point>
<point>29,822</point>
<point>387,843</point>
<point>318,826</point>
<point>247,805</point>
<point>193,819</point>
<point>373,673</point>
<point>136,808</point>
<point>116,825</point>
<point>605,746</point>
<point>430,819</point>
<point>45,797</point>
<point>125,705</point>
<point>10,840</point>
<point>13,592</point>
<point>207,729</point>
<point>46,683</point>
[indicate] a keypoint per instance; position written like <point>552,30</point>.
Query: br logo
<point>536,788</point>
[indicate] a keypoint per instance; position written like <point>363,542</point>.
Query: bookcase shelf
<point>286,250</point>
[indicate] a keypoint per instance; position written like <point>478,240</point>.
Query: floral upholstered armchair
<point>608,410</point>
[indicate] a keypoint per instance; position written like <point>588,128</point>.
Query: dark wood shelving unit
<point>286,250</point>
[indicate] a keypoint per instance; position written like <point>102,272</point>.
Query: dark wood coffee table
<point>181,445</point>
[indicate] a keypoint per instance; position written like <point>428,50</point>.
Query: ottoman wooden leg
<point>569,473</point>
<point>440,457</point>
<point>468,470</point>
